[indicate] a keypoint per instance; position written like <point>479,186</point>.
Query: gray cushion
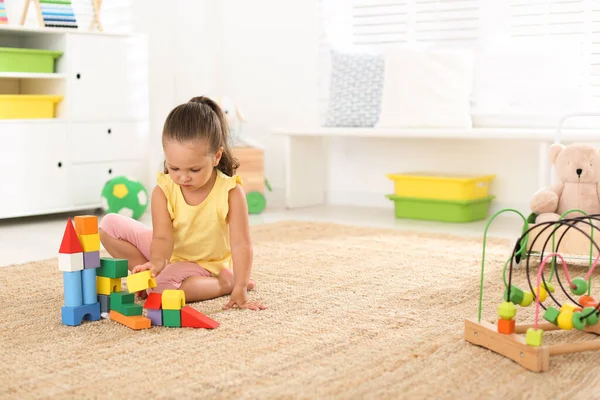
<point>355,89</point>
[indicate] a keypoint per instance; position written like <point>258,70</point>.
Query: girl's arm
<point>241,250</point>
<point>161,247</point>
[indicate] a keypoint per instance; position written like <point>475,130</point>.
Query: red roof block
<point>70,243</point>
<point>192,318</point>
<point>154,301</point>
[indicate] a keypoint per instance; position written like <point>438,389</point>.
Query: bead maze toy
<point>568,313</point>
<point>92,286</point>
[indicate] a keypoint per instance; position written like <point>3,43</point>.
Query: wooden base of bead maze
<point>513,346</point>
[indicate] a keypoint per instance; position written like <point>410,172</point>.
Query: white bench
<point>306,154</point>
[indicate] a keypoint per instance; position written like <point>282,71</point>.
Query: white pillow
<point>427,88</point>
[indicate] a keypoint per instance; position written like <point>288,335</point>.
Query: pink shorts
<point>128,229</point>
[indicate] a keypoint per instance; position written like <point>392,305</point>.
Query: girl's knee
<point>109,223</point>
<point>226,280</point>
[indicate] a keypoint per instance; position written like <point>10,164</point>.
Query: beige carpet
<point>354,313</point>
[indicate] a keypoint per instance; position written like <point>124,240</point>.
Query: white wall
<point>264,54</point>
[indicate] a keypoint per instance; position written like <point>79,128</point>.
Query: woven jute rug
<point>353,313</point>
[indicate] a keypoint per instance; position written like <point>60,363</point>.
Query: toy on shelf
<point>250,154</point>
<point>92,286</point>
<point>96,5</point>
<point>579,311</point>
<point>52,13</point>
<point>3,15</point>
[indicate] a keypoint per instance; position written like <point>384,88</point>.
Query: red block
<point>192,318</point>
<point>70,242</point>
<point>154,301</point>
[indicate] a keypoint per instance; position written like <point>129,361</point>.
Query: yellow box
<point>22,106</point>
<point>140,281</point>
<point>441,186</point>
<point>106,285</point>
<point>90,242</point>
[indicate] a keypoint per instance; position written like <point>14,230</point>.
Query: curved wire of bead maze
<point>504,337</point>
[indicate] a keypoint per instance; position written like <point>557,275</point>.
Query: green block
<point>516,295</point>
<point>172,318</point>
<point>112,268</point>
<point>551,315</point>
<point>123,302</point>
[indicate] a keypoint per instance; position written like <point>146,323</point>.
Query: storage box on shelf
<point>441,197</point>
<point>98,131</point>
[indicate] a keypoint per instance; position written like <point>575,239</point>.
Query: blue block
<point>88,286</point>
<point>72,288</point>
<point>74,316</point>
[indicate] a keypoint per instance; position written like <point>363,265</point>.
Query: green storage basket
<point>27,60</point>
<point>441,210</point>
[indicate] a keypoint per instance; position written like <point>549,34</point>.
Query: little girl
<point>199,214</point>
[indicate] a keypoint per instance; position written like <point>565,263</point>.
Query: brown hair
<point>201,118</point>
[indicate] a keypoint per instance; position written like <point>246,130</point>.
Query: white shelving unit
<point>101,127</point>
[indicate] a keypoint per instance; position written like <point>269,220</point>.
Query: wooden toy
<point>505,338</point>
<point>51,13</point>
<point>104,303</point>
<point>70,253</point>
<point>112,268</point>
<point>86,224</point>
<point>96,5</point>
<point>88,286</point>
<point>124,303</point>
<point>134,322</point>
<point>73,294</point>
<point>3,15</point>
<point>91,259</point>
<point>173,299</point>
<point>140,281</point>
<point>171,318</point>
<point>106,285</point>
<point>153,307</point>
<point>251,171</point>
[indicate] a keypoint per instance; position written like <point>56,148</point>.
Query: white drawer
<point>34,160</point>
<point>88,180</point>
<point>108,142</point>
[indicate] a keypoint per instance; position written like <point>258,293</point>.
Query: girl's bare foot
<point>251,284</point>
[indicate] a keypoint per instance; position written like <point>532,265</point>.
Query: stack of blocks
<point>169,309</point>
<point>78,258</point>
<point>92,285</point>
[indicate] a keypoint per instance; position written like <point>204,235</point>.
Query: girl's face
<point>190,164</point>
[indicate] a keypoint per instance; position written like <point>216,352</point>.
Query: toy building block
<point>171,318</point>
<point>86,224</point>
<point>70,242</point>
<point>106,285</point>
<point>534,337</point>
<point>192,318</point>
<point>140,281</point>
<point>155,316</point>
<point>506,326</point>
<point>91,259</point>
<point>104,301</point>
<point>73,294</point>
<point>70,262</point>
<point>153,306</point>
<point>135,322</point>
<point>88,286</point>
<point>123,303</point>
<point>173,299</point>
<point>90,243</point>
<point>112,268</point>
<point>74,316</point>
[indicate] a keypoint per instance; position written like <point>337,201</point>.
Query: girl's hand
<point>155,266</point>
<point>239,298</point>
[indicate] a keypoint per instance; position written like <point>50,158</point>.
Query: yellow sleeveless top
<point>201,233</point>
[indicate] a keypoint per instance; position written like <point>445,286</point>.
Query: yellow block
<point>140,281</point>
<point>173,299</point>
<point>106,285</point>
<point>441,186</point>
<point>90,242</point>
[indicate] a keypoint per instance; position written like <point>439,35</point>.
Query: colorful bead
<point>580,286</point>
<point>506,326</point>
<point>543,293</point>
<point>565,320</point>
<point>592,319</point>
<point>516,294</point>
<point>527,299</point>
<point>579,322</point>
<point>534,337</point>
<point>507,310</point>
<point>551,315</point>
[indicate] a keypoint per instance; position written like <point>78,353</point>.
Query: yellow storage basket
<point>24,106</point>
<point>428,185</point>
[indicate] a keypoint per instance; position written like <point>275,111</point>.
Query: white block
<point>70,262</point>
